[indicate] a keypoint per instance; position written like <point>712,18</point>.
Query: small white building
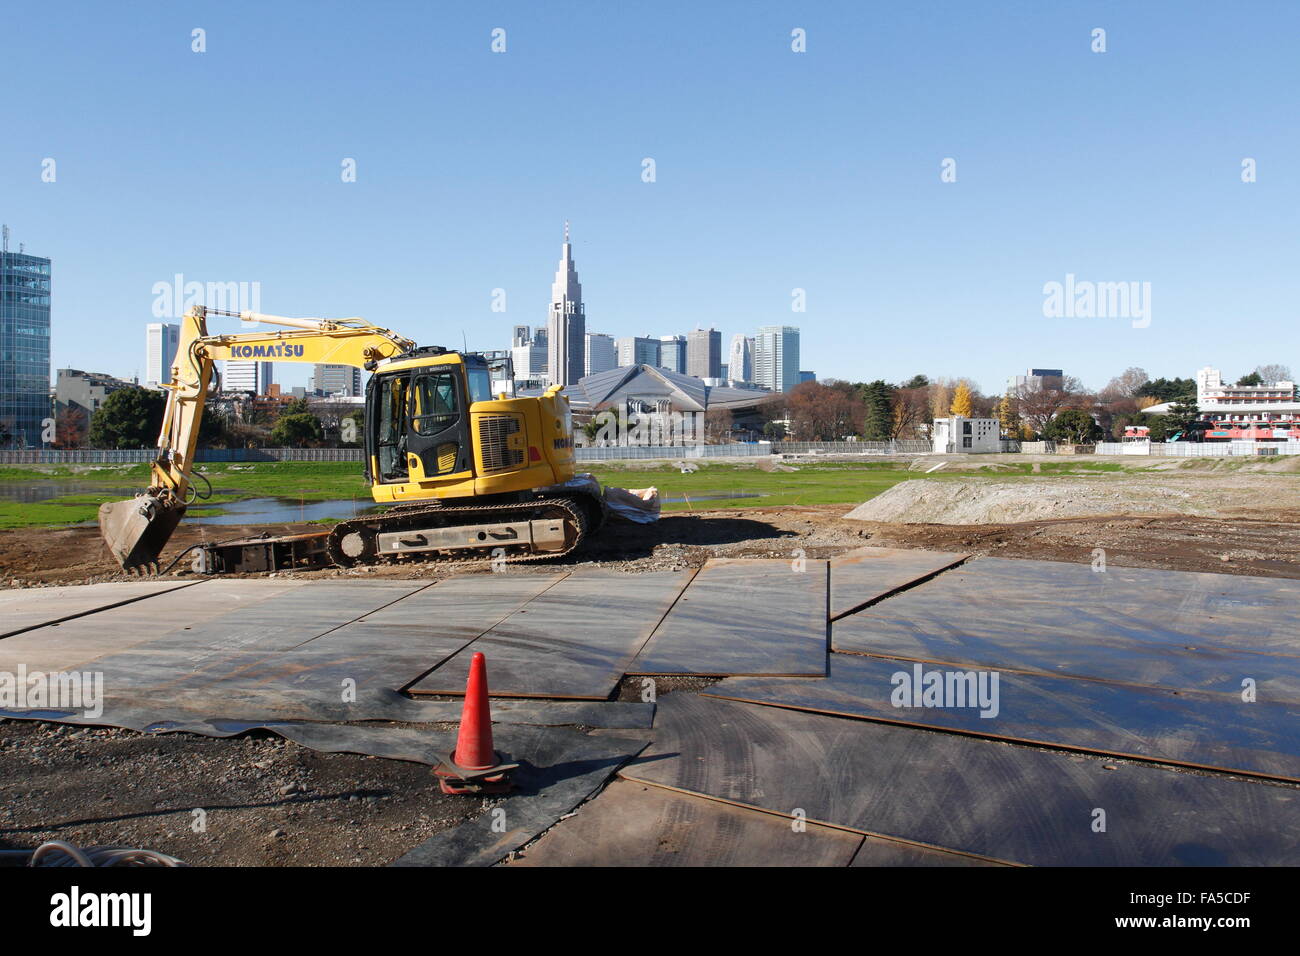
<point>969,436</point>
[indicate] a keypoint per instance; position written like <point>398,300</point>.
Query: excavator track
<point>364,533</point>
<point>513,532</point>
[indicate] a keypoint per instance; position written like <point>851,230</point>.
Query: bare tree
<point>1040,404</point>
<point>1274,373</point>
<point>822,411</point>
<point>911,407</point>
<point>717,425</point>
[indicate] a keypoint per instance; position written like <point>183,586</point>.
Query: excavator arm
<point>136,530</point>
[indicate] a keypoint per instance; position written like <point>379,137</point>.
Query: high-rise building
<point>529,362</point>
<point>528,356</point>
<point>342,380</point>
<point>776,357</point>
<point>740,359</point>
<point>24,346</point>
<point>567,322</point>
<point>254,377</point>
<point>704,353</point>
<point>601,353</point>
<point>1035,380</point>
<point>162,339</point>
<point>672,353</point>
<point>638,350</point>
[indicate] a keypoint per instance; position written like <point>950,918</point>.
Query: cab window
<point>480,385</point>
<point>434,402</point>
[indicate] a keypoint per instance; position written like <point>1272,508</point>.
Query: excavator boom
<point>136,530</point>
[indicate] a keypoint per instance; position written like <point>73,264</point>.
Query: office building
<point>776,357</point>
<point>252,377</point>
<point>566,323</point>
<point>740,359</point>
<point>161,342</point>
<point>601,353</point>
<point>337,380</point>
<point>24,347</point>
<point>704,353</point>
<point>638,350</point>
<point>672,353</point>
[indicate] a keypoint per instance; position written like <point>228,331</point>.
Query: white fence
<point>1184,449</point>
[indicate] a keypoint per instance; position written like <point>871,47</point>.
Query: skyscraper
<point>704,353</point>
<point>254,377</point>
<point>638,350</point>
<point>24,346</point>
<point>567,322</point>
<point>337,380</point>
<point>672,353</point>
<point>161,342</point>
<point>601,354</point>
<point>776,357</point>
<point>740,359</point>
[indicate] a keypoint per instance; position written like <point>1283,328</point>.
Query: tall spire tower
<point>566,322</point>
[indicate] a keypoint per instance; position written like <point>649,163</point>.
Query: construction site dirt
<point>258,799</point>
<point>1262,544</point>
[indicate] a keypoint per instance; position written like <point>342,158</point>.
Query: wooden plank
<point>866,575</point>
<point>22,609</point>
<point>744,616</point>
<point>986,798</point>
<point>1200,730</point>
<point>574,641</point>
<point>1049,618</point>
<point>631,824</point>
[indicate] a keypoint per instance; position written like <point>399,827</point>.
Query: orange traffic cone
<point>474,767</point>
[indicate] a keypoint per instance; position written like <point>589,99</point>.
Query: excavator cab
<point>421,420</point>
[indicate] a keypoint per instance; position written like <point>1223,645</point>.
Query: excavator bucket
<point>136,530</point>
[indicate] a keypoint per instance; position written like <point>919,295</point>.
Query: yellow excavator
<point>460,468</point>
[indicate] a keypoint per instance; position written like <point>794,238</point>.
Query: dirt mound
<point>938,501</point>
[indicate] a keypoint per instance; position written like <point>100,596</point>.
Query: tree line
<point>1059,410</point>
<point>132,418</point>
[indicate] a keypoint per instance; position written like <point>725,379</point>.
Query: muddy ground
<point>1251,541</point>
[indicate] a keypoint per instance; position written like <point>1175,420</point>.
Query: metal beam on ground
<point>22,609</point>
<point>866,575</point>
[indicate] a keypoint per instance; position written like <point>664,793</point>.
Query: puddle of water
<point>30,492</point>
<point>283,511</point>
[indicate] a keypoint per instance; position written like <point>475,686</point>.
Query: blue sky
<point>775,171</point>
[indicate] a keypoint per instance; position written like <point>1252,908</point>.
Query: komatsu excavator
<point>461,469</point>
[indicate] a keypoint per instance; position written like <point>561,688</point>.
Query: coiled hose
<point>58,853</point>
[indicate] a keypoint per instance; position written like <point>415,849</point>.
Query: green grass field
<point>713,485</point>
